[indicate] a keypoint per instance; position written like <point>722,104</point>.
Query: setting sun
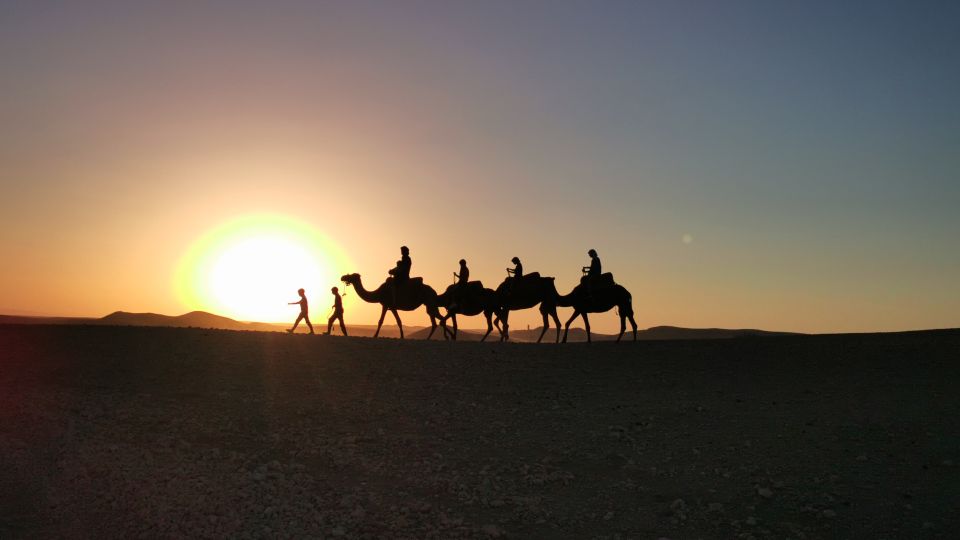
<point>249,268</point>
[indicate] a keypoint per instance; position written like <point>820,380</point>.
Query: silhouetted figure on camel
<point>337,313</point>
<point>469,298</point>
<point>460,282</point>
<point>598,293</point>
<point>520,291</point>
<point>517,270</point>
<point>592,272</point>
<point>304,312</point>
<point>392,295</point>
<point>400,274</point>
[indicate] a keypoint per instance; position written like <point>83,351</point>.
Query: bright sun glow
<point>249,268</point>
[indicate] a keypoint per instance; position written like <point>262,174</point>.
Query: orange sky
<point>797,195</point>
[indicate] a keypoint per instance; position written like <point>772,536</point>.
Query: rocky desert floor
<point>110,432</point>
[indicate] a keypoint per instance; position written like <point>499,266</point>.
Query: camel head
<point>350,279</point>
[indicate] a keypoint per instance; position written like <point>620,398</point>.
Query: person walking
<point>304,312</point>
<point>337,313</point>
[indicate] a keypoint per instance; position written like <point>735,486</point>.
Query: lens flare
<point>250,267</point>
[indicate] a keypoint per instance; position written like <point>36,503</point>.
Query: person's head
<point>592,253</point>
<point>515,260</point>
<point>404,250</point>
<point>334,290</point>
<point>301,292</point>
<point>463,262</point>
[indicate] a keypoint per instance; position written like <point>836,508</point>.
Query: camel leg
<point>556,320</point>
<point>443,325</point>
<point>399,324</point>
<point>433,327</point>
<point>586,323</point>
<point>505,335</point>
<point>489,326</point>
<point>566,327</point>
<point>546,324</point>
<point>383,313</point>
<point>633,323</point>
<point>623,326</point>
<point>454,326</point>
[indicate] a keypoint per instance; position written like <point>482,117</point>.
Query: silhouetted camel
<point>408,297</point>
<point>600,300</point>
<point>522,293</point>
<point>474,300</point>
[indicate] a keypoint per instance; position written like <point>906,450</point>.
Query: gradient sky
<point>808,152</point>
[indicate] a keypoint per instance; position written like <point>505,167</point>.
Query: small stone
<point>608,516</point>
<point>678,504</point>
<point>766,493</point>
<point>714,507</point>
<point>862,457</point>
<point>828,513</point>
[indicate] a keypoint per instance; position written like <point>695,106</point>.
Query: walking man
<point>304,312</point>
<point>337,313</point>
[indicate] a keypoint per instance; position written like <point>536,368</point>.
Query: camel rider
<point>401,272</point>
<point>464,274</point>
<point>517,270</point>
<point>593,271</point>
<point>462,278</point>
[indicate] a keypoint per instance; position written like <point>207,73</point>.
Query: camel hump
<point>474,285</point>
<point>532,275</point>
<point>416,281</point>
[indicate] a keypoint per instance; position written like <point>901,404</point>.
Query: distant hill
<point>195,319</point>
<point>202,319</point>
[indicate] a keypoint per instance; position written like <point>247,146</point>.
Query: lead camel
<point>409,296</point>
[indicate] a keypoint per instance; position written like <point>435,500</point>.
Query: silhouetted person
<point>517,270</point>
<point>464,274</point>
<point>401,272</point>
<point>337,312</point>
<point>594,269</point>
<point>462,278</point>
<point>304,312</point>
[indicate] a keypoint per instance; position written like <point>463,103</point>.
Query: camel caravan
<point>596,293</point>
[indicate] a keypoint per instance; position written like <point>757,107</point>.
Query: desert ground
<point>110,432</point>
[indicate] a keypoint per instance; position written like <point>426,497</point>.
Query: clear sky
<point>781,165</point>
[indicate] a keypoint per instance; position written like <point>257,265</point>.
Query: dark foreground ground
<point>163,432</point>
